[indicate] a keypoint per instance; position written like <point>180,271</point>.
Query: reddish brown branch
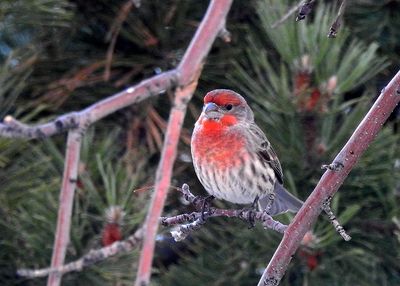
<point>163,181</point>
<point>150,87</point>
<point>188,72</point>
<point>66,202</point>
<point>331,181</point>
<point>92,257</point>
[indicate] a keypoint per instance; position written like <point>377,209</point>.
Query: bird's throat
<point>214,142</point>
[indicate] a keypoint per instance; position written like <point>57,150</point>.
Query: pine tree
<point>309,93</point>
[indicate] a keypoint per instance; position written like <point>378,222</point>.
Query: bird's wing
<point>265,151</point>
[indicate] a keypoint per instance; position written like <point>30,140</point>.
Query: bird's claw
<point>206,206</point>
<point>251,219</point>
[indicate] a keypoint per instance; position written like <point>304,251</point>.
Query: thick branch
<point>66,202</point>
<point>188,72</point>
<point>331,181</point>
<point>163,181</point>
<point>88,259</point>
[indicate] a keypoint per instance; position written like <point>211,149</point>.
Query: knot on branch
<point>335,166</point>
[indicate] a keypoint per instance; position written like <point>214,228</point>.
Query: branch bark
<point>331,181</point>
<point>188,72</point>
<point>155,85</point>
<point>92,257</point>
<point>66,202</point>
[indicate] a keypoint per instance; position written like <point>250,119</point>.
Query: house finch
<point>233,158</point>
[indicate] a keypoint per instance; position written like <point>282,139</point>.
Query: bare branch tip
<point>137,3</point>
<point>305,9</point>
<point>8,119</point>
<point>225,35</point>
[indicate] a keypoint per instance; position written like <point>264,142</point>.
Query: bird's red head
<point>225,107</point>
<point>222,97</point>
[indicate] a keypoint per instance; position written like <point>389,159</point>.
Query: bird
<point>233,159</point>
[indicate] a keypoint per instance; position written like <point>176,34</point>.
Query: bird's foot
<point>206,206</point>
<point>249,214</point>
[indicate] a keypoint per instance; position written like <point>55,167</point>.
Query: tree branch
<point>289,13</point>
<point>197,219</point>
<point>155,85</point>
<point>66,202</point>
<point>188,72</point>
<point>333,30</point>
<point>92,257</point>
<point>331,181</point>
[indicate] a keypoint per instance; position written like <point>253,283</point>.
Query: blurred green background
<point>308,93</point>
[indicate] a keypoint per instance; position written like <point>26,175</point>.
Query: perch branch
<point>196,219</point>
<point>188,70</point>
<point>331,180</point>
<point>92,257</point>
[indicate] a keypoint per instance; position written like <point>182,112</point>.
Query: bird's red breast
<point>215,144</point>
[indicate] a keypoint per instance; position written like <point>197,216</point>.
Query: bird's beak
<point>211,110</point>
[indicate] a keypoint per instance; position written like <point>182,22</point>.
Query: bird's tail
<point>284,201</point>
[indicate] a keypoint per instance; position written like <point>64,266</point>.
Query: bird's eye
<point>228,106</point>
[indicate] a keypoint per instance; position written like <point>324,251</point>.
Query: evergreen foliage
<point>308,93</point>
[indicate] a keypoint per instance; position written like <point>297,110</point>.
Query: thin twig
<point>113,35</point>
<point>289,13</point>
<point>305,9</point>
<point>92,257</point>
<point>333,30</point>
<point>336,224</point>
<point>331,181</point>
<point>196,221</point>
